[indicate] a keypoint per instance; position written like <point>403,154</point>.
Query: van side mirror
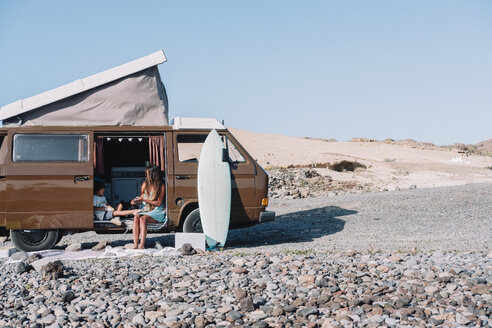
<point>225,155</point>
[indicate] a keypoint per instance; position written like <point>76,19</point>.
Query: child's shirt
<point>99,201</point>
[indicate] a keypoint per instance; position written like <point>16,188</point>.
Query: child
<point>103,211</point>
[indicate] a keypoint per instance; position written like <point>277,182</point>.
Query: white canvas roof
<point>129,94</point>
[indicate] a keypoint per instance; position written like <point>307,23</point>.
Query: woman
<point>152,199</point>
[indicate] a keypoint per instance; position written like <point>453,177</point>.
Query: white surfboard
<point>214,191</point>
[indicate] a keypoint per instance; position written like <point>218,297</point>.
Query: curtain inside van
<point>156,151</point>
<point>99,154</point>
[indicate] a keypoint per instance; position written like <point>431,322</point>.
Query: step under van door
<point>49,180</point>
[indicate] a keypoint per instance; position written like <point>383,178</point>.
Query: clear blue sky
<point>328,69</point>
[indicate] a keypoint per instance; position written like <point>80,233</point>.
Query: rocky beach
<point>405,258</point>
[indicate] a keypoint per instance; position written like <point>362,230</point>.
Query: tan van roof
<point>129,94</point>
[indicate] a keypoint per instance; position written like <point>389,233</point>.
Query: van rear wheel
<point>34,240</point>
<point>193,223</point>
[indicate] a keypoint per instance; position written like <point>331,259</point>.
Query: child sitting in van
<point>103,211</point>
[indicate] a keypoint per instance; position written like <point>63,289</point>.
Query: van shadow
<point>296,227</point>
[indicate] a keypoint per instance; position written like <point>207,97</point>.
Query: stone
<point>22,267</point>
<point>239,270</point>
<point>290,308</point>
<point>246,304</point>
<point>34,257</point>
<point>138,320</point>
<point>48,320</point>
<point>233,316</point>
<point>413,187</point>
<point>153,315</point>
<point>257,315</point>
<point>74,248</point>
<point>68,296</point>
<point>305,312</point>
<point>187,249</point>
<point>18,256</point>
<point>306,279</point>
<point>100,246</point>
<point>444,277</point>
<point>239,293</point>
<point>52,270</point>
<point>395,258</point>
<point>481,290</point>
<point>431,289</point>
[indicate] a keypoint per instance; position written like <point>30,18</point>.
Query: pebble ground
<point>404,258</point>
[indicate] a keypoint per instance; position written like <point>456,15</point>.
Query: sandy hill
<point>388,164</point>
<point>485,147</point>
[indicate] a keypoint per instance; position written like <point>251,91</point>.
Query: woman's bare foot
<point>141,247</point>
<point>135,246</point>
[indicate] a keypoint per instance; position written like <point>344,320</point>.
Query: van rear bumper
<point>267,216</point>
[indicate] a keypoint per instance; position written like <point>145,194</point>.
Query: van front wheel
<point>34,240</point>
<point>192,223</point>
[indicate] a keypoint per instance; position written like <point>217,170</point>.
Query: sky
<point>320,69</point>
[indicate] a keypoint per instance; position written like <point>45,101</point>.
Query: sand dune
<point>389,164</point>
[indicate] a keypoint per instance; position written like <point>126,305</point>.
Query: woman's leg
<point>143,229</point>
<point>136,230</point>
<point>119,212</point>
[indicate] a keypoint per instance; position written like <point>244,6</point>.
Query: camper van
<point>109,127</point>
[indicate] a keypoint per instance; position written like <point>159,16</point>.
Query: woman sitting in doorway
<point>152,198</point>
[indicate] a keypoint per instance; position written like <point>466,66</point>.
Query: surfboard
<point>214,191</point>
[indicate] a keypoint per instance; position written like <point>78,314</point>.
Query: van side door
<point>49,179</point>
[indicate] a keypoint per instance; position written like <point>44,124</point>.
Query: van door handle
<point>180,177</point>
<point>80,178</point>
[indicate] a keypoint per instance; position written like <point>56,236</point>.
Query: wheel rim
<point>33,237</point>
<point>197,225</point>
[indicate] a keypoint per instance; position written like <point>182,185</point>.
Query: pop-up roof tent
<point>131,94</point>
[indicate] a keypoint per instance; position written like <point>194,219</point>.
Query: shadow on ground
<point>296,227</point>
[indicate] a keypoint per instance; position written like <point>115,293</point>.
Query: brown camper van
<point>52,151</point>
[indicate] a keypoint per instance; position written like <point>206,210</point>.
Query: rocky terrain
<point>294,183</point>
<point>263,290</point>
<point>407,258</point>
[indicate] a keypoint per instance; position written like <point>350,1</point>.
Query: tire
<point>34,240</point>
<point>192,223</point>
<point>60,236</point>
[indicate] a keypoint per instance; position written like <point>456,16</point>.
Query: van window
<point>190,147</point>
<point>51,147</point>
<point>234,153</point>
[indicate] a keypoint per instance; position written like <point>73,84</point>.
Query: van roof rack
<point>180,123</point>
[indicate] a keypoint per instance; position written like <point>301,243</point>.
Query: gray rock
<point>232,316</point>
<point>138,319</point>
<point>34,257</point>
<point>18,256</point>
<point>187,249</point>
<point>68,296</point>
<point>48,320</point>
<point>246,304</point>
<point>305,312</point>
<point>52,270</point>
<point>100,245</point>
<point>74,248</point>
<point>22,267</point>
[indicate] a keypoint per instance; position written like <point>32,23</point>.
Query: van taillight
<point>264,202</point>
